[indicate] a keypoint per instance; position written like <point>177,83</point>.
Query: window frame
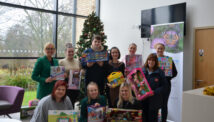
<point>56,13</point>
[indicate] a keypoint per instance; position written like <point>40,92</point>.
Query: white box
<point>197,107</point>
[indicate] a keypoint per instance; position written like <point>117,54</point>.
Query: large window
<point>26,25</point>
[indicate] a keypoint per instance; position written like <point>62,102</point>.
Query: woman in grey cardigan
<point>56,101</point>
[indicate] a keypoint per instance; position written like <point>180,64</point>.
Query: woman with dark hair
<point>56,101</point>
<point>114,65</point>
<point>157,81</point>
<point>70,63</point>
<point>164,110</point>
<point>95,71</point>
<point>126,100</point>
<point>93,98</point>
<point>41,71</point>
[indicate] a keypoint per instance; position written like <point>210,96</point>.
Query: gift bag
<point>115,79</point>
<point>139,84</point>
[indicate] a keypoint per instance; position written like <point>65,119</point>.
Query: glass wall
<point>26,25</point>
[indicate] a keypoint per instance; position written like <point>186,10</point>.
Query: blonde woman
<point>160,48</point>
<point>70,64</point>
<point>126,100</point>
<point>93,98</point>
<point>41,71</point>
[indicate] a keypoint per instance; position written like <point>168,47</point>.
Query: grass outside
<point>29,95</point>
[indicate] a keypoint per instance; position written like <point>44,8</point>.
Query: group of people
<point>54,95</point>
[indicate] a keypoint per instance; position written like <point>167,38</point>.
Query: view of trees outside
<point>24,32</point>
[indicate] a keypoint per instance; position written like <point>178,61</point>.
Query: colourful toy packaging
<point>123,115</point>
<point>62,116</point>
<point>95,56</point>
<point>133,62</point>
<point>58,72</point>
<point>139,84</point>
<point>165,63</point>
<point>116,78</point>
<point>74,80</point>
<point>96,114</point>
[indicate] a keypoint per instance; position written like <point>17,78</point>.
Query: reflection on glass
<point>43,4</point>
<point>23,33</point>
<point>79,27</point>
<point>64,34</point>
<point>66,6</point>
<point>85,7</point>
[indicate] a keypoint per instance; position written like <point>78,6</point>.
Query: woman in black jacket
<point>126,100</point>
<point>114,65</point>
<point>164,110</point>
<point>157,81</point>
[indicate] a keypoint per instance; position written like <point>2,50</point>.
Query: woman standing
<point>56,101</point>
<point>164,110</point>
<point>157,81</point>
<point>70,64</point>
<point>93,98</point>
<point>114,65</point>
<point>95,71</point>
<point>134,61</point>
<point>126,100</point>
<point>41,71</point>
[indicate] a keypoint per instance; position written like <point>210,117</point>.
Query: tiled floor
<point>16,116</point>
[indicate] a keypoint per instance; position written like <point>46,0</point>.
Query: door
<point>204,57</point>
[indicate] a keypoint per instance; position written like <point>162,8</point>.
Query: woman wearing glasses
<point>41,71</point>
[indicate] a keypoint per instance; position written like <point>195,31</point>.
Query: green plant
<point>20,81</point>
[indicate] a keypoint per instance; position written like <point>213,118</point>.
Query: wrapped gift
<point>139,84</point>
<point>132,62</point>
<point>58,72</point>
<point>123,115</point>
<point>95,56</point>
<point>165,63</point>
<point>116,78</point>
<point>74,80</point>
<point>62,116</point>
<point>96,114</point>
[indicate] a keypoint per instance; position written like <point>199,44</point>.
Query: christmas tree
<point>92,26</point>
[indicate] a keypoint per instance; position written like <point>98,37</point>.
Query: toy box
<point>58,72</point>
<point>115,79</point>
<point>123,115</point>
<point>95,56</point>
<point>96,114</point>
<point>139,84</point>
<point>74,80</point>
<point>27,111</point>
<point>62,116</point>
<point>133,62</point>
<point>165,63</point>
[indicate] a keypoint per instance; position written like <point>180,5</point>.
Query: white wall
<point>121,17</point>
